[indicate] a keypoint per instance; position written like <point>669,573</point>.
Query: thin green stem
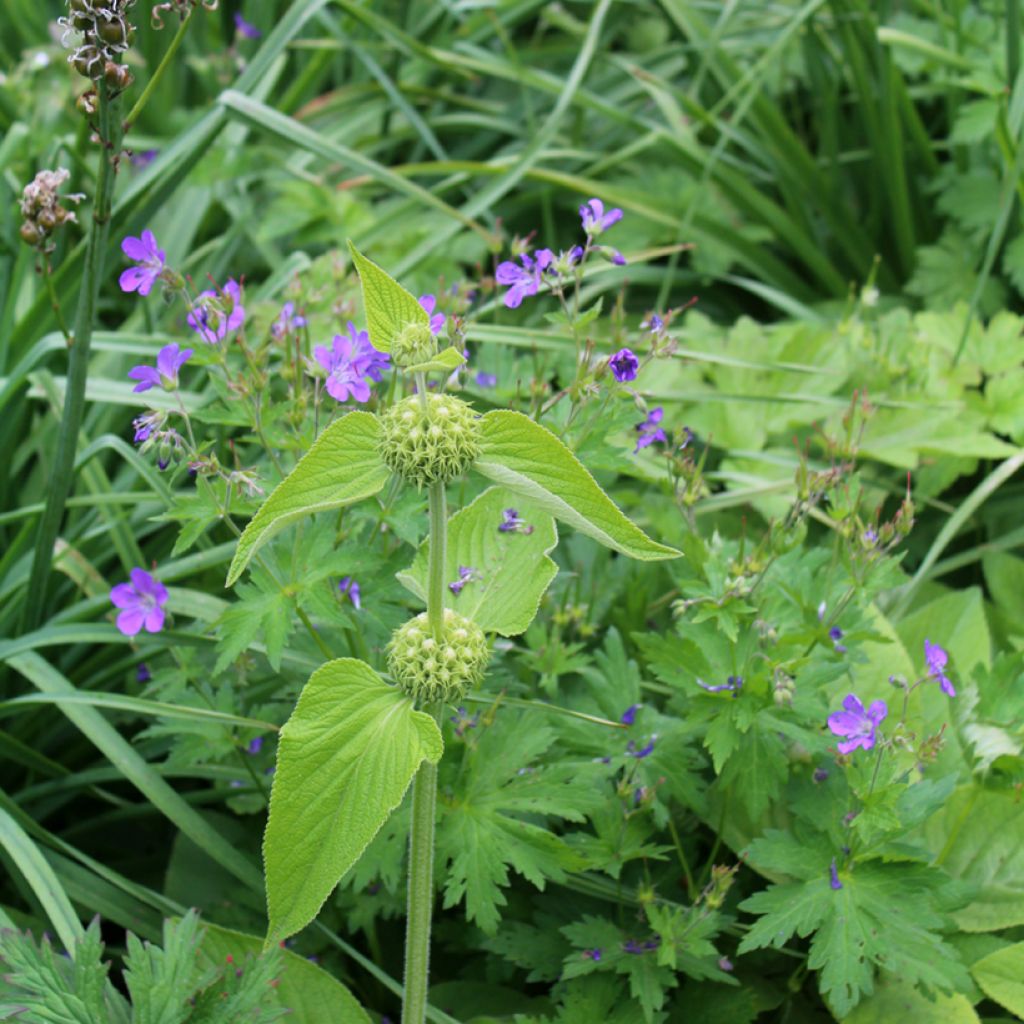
<point>62,471</point>
<point>435,576</point>
<point>154,80</point>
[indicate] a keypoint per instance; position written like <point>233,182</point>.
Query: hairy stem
<point>424,799</point>
<point>78,362</point>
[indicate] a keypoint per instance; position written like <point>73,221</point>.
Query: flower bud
<point>428,670</point>
<point>415,344</point>
<point>429,442</point>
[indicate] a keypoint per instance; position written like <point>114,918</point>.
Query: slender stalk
<point>154,80</point>
<point>420,898</point>
<point>78,361</point>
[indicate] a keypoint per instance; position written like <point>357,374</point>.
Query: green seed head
<point>415,344</point>
<point>430,669</point>
<point>432,444</point>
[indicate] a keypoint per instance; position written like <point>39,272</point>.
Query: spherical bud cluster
<point>414,344</point>
<point>429,668</point>
<point>102,31</point>
<point>431,441</point>
<point>41,208</point>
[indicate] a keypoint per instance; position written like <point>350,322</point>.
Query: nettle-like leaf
<point>389,307</point>
<point>342,467</point>
<point>345,759</point>
<point>446,361</point>
<point>529,460</point>
<point>884,917</point>
<point>1001,975</point>
<point>512,569</point>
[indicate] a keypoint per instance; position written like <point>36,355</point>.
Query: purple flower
<point>629,715</point>
<point>835,635</point>
<point>725,964</point>
<point>215,314</point>
<point>255,745</point>
<point>145,158</point>
<point>617,258</point>
<point>466,575</point>
<point>649,430</point>
<point>594,218</point>
<point>150,260</point>
<point>486,380</point>
<point>653,323</point>
<point>644,751</point>
<point>857,725</point>
<point>288,322</point>
<point>624,365</point>
<point>732,685</point>
<point>935,658</point>
<point>142,673</point>
<point>688,438</point>
<point>351,588</point>
<point>146,423</point>
<point>523,280</point>
<point>245,29</point>
<point>592,954</point>
<point>463,721</point>
<point>511,523</point>
<point>833,875</point>
<point>141,603</point>
<point>428,302</point>
<point>348,362</point>
<point>170,359</point>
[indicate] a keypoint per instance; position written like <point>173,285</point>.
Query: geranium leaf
<point>342,467</point>
<point>389,307</point>
<point>528,459</point>
<point>345,758</point>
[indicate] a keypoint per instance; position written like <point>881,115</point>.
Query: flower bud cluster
<point>428,439</point>
<point>414,344</point>
<point>103,33</point>
<point>430,669</point>
<point>41,208</point>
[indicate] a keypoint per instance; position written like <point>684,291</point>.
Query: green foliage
<point>389,307</point>
<point>345,759</point>
<point>1001,976</point>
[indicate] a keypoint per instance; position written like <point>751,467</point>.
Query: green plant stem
<point>154,80</point>
<point>435,572</point>
<point>62,470</point>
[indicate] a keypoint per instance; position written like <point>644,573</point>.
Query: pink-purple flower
<point>624,365</point>
<point>217,313</point>
<point>857,727</point>
<point>935,658</point>
<point>150,261</point>
<point>288,322</point>
<point>467,574</point>
<point>595,219</point>
<point>141,602</point>
<point>350,360</point>
<point>349,588</point>
<point>486,380</point>
<point>428,302</point>
<point>523,280</point>
<point>246,28</point>
<point>650,430</point>
<point>170,359</point>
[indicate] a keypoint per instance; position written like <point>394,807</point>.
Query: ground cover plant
<point>510,512</point>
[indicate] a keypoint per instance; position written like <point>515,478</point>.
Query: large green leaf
<point>342,467</point>
<point>1001,975</point>
<point>978,837</point>
<point>528,459</point>
<point>312,995</point>
<point>895,1000</point>
<point>512,568</point>
<point>344,761</point>
<point>389,307</point>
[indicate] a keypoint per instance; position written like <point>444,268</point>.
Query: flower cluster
<point>650,430</point>
<point>511,523</point>
<point>216,313</point>
<point>41,208</point>
<point>349,362</point>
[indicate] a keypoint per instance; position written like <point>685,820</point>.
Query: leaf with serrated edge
<point>1001,976</point>
<point>527,458</point>
<point>389,307</point>
<point>448,360</point>
<point>513,569</point>
<point>342,467</point>
<point>345,758</point>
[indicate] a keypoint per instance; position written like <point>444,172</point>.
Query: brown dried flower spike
<point>41,208</point>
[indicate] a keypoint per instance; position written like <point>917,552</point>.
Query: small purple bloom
<point>594,218</point>
<point>466,575</point>
<point>617,258</point>
<point>288,322</point>
<point>145,158</point>
<point>150,260</point>
<point>725,964</point>
<point>732,685</point>
<point>871,536</point>
<point>463,721</point>
<point>170,359</point>
<point>145,425</point>
<point>215,314</point>
<point>486,380</point>
<point>255,745</point>
<point>245,28</point>
<point>592,954</point>
<point>141,603</point>
<point>835,635</point>
<point>428,302</point>
<point>349,587</point>
<point>142,673</point>
<point>653,323</point>
<point>935,658</point>
<point>820,775</point>
<point>523,280</point>
<point>511,523</point>
<point>833,875</point>
<point>688,438</point>
<point>649,431</point>
<point>624,365</point>
<point>348,362</point>
<point>629,715</point>
<point>858,726</point>
<point>644,751</point>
